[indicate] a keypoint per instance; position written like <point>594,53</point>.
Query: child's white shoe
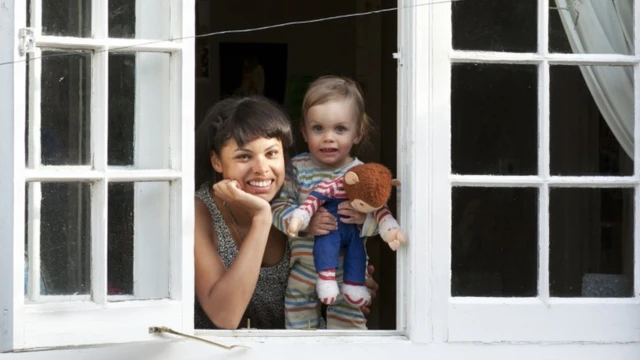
<point>356,295</point>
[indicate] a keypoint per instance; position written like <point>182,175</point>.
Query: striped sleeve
<point>385,220</point>
<point>286,202</point>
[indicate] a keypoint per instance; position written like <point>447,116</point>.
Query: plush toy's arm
<point>301,216</point>
<point>370,226</point>
<point>389,228</point>
<point>284,205</point>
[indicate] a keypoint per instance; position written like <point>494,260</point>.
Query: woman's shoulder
<point>204,190</point>
<point>204,204</point>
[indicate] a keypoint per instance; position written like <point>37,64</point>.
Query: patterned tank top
<point>266,308</point>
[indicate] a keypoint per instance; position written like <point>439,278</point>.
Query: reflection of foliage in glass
<point>495,25</point>
<point>122,18</point>
<point>65,238</point>
<point>66,18</point>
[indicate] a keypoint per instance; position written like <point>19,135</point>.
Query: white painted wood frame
<point>59,321</point>
<point>541,318</point>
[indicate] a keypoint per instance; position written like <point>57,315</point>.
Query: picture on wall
<point>253,69</point>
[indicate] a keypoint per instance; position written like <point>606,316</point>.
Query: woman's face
<point>258,166</point>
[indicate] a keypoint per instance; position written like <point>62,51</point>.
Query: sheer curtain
<point>597,27</point>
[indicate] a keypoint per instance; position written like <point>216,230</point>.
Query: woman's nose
<point>261,165</point>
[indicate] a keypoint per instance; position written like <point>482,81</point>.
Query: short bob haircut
<point>242,119</point>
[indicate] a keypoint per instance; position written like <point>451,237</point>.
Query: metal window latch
<point>398,56</point>
<point>27,41</point>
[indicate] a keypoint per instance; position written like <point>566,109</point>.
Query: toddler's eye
<point>316,128</point>
<point>340,129</point>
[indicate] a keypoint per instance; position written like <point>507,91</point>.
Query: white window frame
<point>423,269</point>
<point>71,321</point>
<point>541,318</point>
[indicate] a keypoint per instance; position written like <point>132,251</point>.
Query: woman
<point>241,262</point>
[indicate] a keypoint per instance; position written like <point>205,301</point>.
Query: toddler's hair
<point>330,88</point>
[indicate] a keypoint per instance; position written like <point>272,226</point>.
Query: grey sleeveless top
<point>266,308</point>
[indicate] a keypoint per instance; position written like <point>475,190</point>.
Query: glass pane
<point>62,221</point>
<point>591,26</point>
<point>138,240</point>
<point>139,110</point>
<point>494,126</point>
<point>494,245</point>
<point>65,106</point>
<point>66,18</point>
<point>591,242</point>
<point>585,140</point>
<point>495,25</point>
<point>141,19</point>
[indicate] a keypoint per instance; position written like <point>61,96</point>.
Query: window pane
<point>585,140</point>
<point>494,126</point>
<point>139,110</point>
<point>62,221</point>
<point>591,242</point>
<point>494,245</point>
<point>591,26</point>
<point>141,19</point>
<point>495,25</point>
<point>65,102</point>
<point>138,241</point>
<point>66,18</point>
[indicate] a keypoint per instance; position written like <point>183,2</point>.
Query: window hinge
<point>27,41</point>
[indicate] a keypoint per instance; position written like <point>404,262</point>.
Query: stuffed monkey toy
<point>367,187</point>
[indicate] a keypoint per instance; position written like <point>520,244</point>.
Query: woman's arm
<point>225,294</point>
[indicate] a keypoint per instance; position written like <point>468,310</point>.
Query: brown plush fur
<point>374,185</point>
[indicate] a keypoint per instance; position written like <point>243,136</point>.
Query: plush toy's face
<point>362,206</point>
<point>368,186</point>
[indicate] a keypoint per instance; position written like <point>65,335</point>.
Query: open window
<point>280,63</point>
<point>101,172</point>
<point>543,184</point>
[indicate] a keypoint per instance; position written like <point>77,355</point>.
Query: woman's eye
<point>242,157</point>
<point>272,153</point>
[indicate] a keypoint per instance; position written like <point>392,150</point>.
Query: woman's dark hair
<point>242,119</point>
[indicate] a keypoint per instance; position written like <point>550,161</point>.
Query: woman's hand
<point>321,223</point>
<point>230,191</point>
<point>372,285</point>
<point>349,215</point>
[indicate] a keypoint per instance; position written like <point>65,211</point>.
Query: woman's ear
<point>215,162</point>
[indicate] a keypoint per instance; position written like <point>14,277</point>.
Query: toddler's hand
<point>349,215</point>
<point>321,223</point>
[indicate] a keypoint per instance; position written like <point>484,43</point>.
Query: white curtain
<point>597,27</point>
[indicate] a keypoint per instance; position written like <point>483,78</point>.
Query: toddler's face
<point>331,130</point>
